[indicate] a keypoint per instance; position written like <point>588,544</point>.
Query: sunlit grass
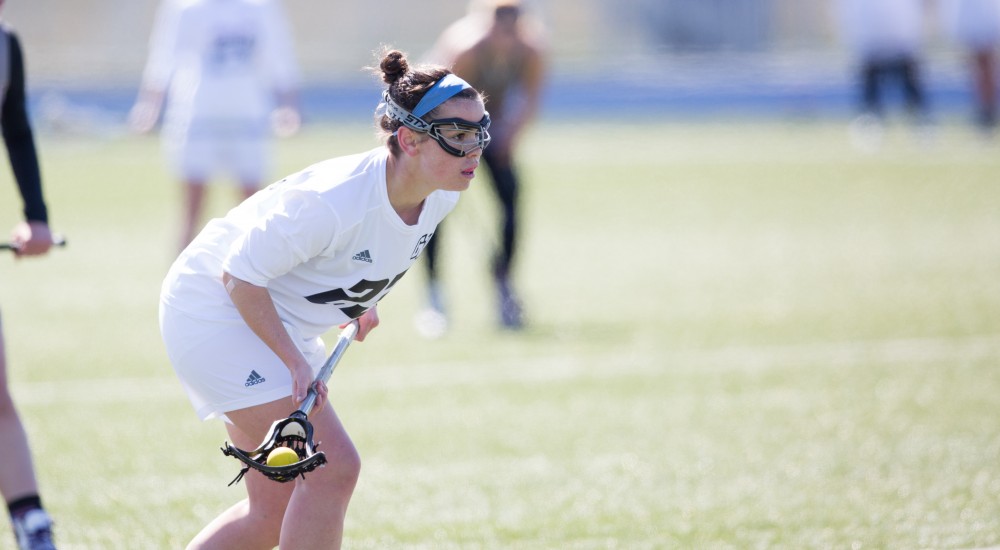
<point>743,335</point>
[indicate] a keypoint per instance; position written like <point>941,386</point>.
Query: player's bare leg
<point>316,511</point>
<point>194,204</point>
<point>254,522</point>
<point>985,78</point>
<point>306,513</point>
<point>17,476</point>
<point>18,484</point>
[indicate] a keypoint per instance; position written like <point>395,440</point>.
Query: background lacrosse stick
<point>57,240</point>
<point>294,432</point>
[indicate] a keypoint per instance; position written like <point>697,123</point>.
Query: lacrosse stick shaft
<point>346,337</point>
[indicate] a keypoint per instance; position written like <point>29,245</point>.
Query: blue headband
<point>441,91</point>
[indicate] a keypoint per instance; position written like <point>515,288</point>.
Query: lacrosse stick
<point>57,240</point>
<point>294,432</point>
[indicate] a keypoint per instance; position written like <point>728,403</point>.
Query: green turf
<point>743,335</point>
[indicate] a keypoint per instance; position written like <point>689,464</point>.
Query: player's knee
<point>347,468</point>
<point>340,474</point>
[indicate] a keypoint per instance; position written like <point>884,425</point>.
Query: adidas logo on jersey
<point>254,379</point>
<point>363,256</point>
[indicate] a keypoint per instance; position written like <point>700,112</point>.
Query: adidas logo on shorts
<point>254,379</point>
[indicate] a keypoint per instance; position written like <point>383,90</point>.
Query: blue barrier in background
<point>691,90</point>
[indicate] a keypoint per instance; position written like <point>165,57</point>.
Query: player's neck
<point>403,195</point>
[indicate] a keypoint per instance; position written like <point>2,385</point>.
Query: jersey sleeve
<point>300,227</point>
<point>19,139</point>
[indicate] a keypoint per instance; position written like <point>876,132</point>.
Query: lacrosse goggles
<point>456,136</point>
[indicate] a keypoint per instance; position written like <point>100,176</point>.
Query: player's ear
<point>408,140</point>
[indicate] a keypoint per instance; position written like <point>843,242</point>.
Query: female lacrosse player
<point>31,237</point>
<point>243,307</point>
<point>221,72</point>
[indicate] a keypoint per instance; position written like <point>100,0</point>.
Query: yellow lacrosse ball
<point>282,456</point>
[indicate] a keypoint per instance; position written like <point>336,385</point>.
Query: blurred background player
<point>227,72</point>
<point>886,39</point>
<point>500,52</point>
<point>32,237</point>
<point>975,25</point>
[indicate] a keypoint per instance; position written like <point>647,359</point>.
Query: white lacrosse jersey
<point>324,241</point>
<point>222,60</point>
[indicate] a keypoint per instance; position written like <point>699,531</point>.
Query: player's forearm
<point>257,309</point>
<point>145,113</point>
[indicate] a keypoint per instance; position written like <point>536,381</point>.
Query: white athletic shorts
<point>203,152</point>
<point>223,366</point>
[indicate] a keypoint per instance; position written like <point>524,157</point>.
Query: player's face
<point>448,171</point>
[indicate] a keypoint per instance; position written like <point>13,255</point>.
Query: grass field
<point>743,335</point>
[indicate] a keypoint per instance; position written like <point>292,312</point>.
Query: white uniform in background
<point>222,62</point>
<point>972,23</point>
<point>327,245</point>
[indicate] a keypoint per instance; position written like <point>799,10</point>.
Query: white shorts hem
<point>219,410</point>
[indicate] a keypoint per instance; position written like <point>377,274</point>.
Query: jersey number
<point>350,301</point>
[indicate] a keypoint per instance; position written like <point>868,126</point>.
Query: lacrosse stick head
<point>294,432</point>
